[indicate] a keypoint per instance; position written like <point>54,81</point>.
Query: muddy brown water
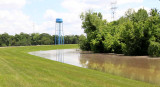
<point>141,68</point>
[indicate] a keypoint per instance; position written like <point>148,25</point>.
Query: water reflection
<point>134,67</point>
<point>69,56</point>
<point>60,55</point>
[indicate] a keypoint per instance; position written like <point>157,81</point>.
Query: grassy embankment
<point>19,69</point>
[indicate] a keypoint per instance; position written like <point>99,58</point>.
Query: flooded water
<point>141,68</point>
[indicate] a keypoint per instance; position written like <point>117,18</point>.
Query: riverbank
<point>19,69</point>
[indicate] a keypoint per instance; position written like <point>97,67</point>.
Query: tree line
<point>135,33</point>
<point>24,39</point>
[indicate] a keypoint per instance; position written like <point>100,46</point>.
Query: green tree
<point>82,42</point>
<point>35,38</point>
<point>5,39</point>
<point>45,39</point>
<point>92,24</point>
<point>152,27</point>
<point>136,33</point>
<point>22,39</point>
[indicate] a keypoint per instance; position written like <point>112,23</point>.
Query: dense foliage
<point>136,33</point>
<point>24,39</point>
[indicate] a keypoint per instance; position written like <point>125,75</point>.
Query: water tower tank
<point>59,20</point>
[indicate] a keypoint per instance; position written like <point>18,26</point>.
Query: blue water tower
<point>59,34</point>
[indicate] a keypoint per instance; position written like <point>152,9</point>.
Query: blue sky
<point>36,8</point>
<point>20,15</point>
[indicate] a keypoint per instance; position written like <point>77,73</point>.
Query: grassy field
<point>19,69</point>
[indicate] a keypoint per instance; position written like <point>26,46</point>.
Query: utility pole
<point>33,27</point>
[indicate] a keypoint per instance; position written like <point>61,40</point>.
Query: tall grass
<point>19,69</point>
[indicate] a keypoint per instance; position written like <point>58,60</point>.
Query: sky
<point>38,16</point>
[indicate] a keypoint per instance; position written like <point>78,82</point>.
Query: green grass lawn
<point>19,69</point>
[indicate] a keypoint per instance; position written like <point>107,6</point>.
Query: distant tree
<point>5,39</point>
<point>71,39</point>
<point>22,39</point>
<point>45,39</point>
<point>35,38</point>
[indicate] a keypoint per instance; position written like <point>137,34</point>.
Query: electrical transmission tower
<point>113,9</point>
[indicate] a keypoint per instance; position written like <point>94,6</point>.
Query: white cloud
<point>14,22</point>
<point>72,22</point>
<point>77,6</point>
<point>10,4</point>
<point>71,18</point>
<point>121,2</point>
<point>12,19</point>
